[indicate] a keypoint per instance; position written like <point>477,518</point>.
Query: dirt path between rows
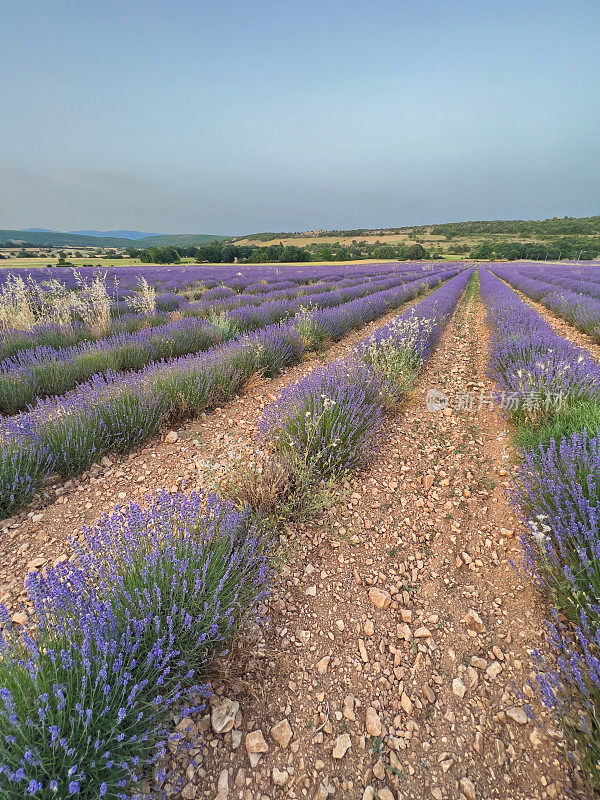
<point>39,535</point>
<point>398,631</point>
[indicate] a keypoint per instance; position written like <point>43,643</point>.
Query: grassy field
<point>428,240</point>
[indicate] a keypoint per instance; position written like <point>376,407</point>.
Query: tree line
<point>227,253</point>
<point>564,248</point>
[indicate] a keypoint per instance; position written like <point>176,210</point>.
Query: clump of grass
<point>312,334</point>
<point>144,301</point>
<point>16,307</point>
<point>574,417</point>
<point>223,324</point>
<point>276,487</point>
<point>93,303</point>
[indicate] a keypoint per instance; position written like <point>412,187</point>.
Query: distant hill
<point>41,238</point>
<point>555,226</point>
<point>119,234</point>
<point>182,239</point>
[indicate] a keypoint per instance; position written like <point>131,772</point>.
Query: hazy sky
<point>231,117</point>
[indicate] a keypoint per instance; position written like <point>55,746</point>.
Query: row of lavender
<point>574,294</point>
<point>120,640</point>
<point>44,371</point>
<point>118,412</point>
<point>554,391</point>
<point>41,312</point>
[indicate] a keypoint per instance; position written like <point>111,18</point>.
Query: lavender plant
<point>569,686</point>
<point>329,419</point>
<point>24,464</point>
<point>396,352</point>
<point>122,639</point>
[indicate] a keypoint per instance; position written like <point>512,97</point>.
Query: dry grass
<point>276,487</point>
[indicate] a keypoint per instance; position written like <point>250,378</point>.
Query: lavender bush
<point>327,420</point>
<point>24,464</point>
<point>122,639</point>
<point>570,686</point>
<point>558,492</point>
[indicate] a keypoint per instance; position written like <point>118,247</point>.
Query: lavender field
<point>387,474</point>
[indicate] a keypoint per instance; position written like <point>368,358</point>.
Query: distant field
<point>438,241</point>
<point>303,241</point>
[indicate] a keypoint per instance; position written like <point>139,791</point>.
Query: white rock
<point>341,745</point>
<point>223,715</point>
<point>280,777</point>
<point>517,714</point>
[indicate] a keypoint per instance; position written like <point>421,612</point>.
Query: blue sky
<point>231,117</point>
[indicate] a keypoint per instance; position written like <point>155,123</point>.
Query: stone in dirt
<point>422,633</point>
<point>341,745</point>
<point>282,733</point>
<point>458,688</point>
<point>379,597</point>
<point>406,703</point>
<point>348,707</point>
<point>517,714</point>
<point>280,777</point>
<point>494,669</point>
<point>223,784</point>
<point>372,722</point>
<point>171,437</point>
<point>255,742</point>
<point>379,769</point>
<point>468,789</point>
<point>223,715</point>
<point>473,620</point>
<point>323,664</point>
<point>189,791</point>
